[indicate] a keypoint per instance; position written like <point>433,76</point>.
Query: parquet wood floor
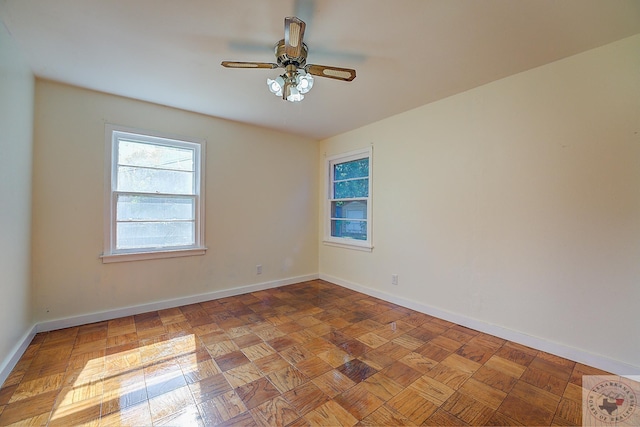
<point>306,354</point>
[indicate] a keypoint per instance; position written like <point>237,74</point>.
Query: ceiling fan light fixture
<point>305,81</point>
<point>276,85</point>
<point>291,92</point>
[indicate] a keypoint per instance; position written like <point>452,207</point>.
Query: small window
<point>348,207</point>
<point>154,199</point>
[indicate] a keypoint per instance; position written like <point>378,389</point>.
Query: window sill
<point>365,247</point>
<point>140,256</point>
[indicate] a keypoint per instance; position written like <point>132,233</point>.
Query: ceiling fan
<point>291,54</point>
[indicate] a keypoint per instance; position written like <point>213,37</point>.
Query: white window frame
<point>113,134</point>
<point>346,242</point>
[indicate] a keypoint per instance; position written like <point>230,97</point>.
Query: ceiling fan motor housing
<point>283,59</point>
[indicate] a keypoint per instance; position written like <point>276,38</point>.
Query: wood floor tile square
<point>356,370</point>
<point>330,414</point>
<point>271,363</point>
<point>483,393</point>
<point>432,390</point>
<point>188,416</point>
<point>385,416</point>
<point>467,409</point>
<point>382,386</point>
<point>306,398</point>
<point>212,337</point>
<point>401,373</point>
<point>221,408</point>
<point>535,396</point>
<point>452,377</point>
<point>377,359</point>
<point>296,354</point>
<point>498,419</point>
<point>372,340</point>
<point>290,327</point>
<point>333,383</point>
<point>281,343</point>
<point>544,380</point>
<point>338,337</point>
<point>274,412</point>
<point>559,371</point>
<point>258,351</point>
<point>27,389</point>
<point>460,363</point>
<point>408,342</point>
<point>75,415</point>
<point>358,401</point>
<point>418,362</point>
<point>287,379</point>
<point>433,352</point>
<point>495,378</point>
<point>525,413</point>
<point>517,353</point>
<point>198,370</point>
<point>247,340</point>
<point>319,345</point>
<point>135,415</point>
<point>475,352</point>
<point>505,366</point>
<point>412,405</point>
<point>573,392</point>
<point>120,393</point>
<point>209,387</point>
<point>28,408</point>
<point>442,418</point>
<point>335,357</point>
<point>569,411</point>
<point>313,367</point>
<point>231,360</point>
<point>354,347</point>
<point>423,334</point>
<point>269,334</point>
<point>242,375</point>
<point>221,348</point>
<point>257,392</point>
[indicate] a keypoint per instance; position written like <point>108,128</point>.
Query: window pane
<point>354,169</point>
<point>352,229</point>
<point>132,235</point>
<point>356,209</point>
<point>154,180</point>
<point>136,208</point>
<point>157,156</point>
<point>351,189</point>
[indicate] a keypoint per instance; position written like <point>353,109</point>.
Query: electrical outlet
<point>394,279</point>
<point>259,269</point>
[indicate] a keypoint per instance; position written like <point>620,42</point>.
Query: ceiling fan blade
<point>234,64</point>
<point>346,74</point>
<point>293,35</point>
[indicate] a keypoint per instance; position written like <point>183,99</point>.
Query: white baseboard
<point>575,354</point>
<point>15,354</point>
<point>84,319</point>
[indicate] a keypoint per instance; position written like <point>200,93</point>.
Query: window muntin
<point>155,195</point>
<point>349,203</point>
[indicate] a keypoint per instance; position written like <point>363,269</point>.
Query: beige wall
<point>515,204</point>
<point>16,116</point>
<point>261,199</point>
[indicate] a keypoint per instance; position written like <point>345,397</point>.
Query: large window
<point>154,197</point>
<point>348,207</point>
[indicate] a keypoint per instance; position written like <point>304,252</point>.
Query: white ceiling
<point>406,52</point>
